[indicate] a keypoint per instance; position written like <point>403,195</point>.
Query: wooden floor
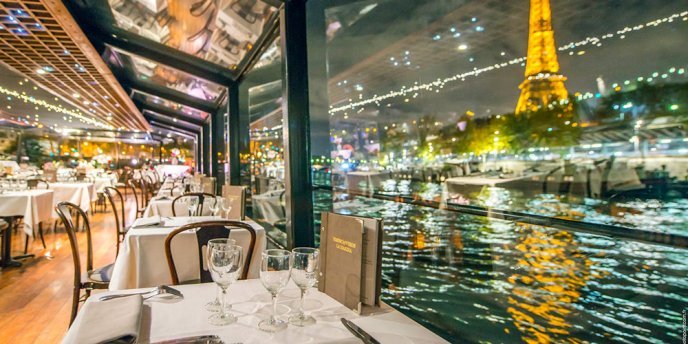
<point>35,299</point>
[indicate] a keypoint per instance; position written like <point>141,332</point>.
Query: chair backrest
<point>236,193</point>
<point>201,199</point>
<point>110,193</point>
<point>208,184</point>
<point>66,211</point>
<point>136,184</point>
<point>34,183</point>
<point>204,232</point>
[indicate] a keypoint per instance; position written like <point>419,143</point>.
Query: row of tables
<point>141,265</point>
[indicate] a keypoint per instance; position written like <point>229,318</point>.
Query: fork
<point>159,290</point>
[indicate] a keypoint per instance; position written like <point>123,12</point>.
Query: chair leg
<point>26,244</point>
<point>40,232</point>
<point>75,304</point>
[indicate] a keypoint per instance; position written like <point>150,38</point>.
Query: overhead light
<point>462,47</point>
<point>40,71</point>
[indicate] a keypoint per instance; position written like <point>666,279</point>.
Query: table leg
<point>7,259</point>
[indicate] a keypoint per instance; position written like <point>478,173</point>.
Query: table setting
<point>281,306</point>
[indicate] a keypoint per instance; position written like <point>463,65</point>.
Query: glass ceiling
<point>186,110</point>
<point>219,31</point>
<point>166,76</point>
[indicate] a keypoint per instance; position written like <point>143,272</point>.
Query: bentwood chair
<point>201,196</point>
<point>138,196</point>
<point>120,222</point>
<point>205,231</point>
<point>91,278</point>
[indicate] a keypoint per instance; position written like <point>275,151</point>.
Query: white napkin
<point>107,321</point>
<point>148,221</point>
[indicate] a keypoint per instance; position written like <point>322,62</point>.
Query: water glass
<point>215,206</point>
<point>226,206</point>
<point>304,273</point>
<point>275,269</point>
<point>214,305</point>
<point>225,266</point>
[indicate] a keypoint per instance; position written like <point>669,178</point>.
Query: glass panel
<point>217,31</point>
<point>265,161</point>
<point>169,77</point>
<point>571,110</point>
<point>188,111</point>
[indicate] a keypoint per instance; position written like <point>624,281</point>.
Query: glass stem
<point>223,311</point>
<point>274,309</point>
<point>301,313</point>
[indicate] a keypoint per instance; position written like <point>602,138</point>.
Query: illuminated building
<point>543,83</point>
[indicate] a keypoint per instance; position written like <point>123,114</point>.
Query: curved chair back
<point>204,232</point>
<point>135,184</point>
<point>65,210</point>
<point>120,222</point>
<point>201,198</point>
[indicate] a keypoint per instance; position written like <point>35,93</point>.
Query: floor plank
<point>35,299</point>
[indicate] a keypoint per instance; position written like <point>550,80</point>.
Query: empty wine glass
<point>192,205</point>
<point>226,206</point>
<point>275,269</point>
<point>215,206</point>
<point>224,266</point>
<point>215,304</point>
<point>304,273</point>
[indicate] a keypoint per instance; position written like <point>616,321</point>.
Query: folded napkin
<point>112,321</point>
<point>148,222</point>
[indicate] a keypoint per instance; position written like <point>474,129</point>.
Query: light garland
<point>54,108</point>
<point>439,83</point>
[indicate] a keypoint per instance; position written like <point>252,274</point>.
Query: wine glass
<point>226,206</point>
<point>304,273</point>
<point>275,269</point>
<point>192,205</point>
<point>224,265</point>
<point>215,304</point>
<point>215,206</point>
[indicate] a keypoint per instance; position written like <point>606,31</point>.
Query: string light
<point>439,83</point>
<point>54,108</point>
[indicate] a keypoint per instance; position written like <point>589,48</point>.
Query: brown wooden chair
<point>201,198</point>
<point>204,232</point>
<point>139,196</point>
<point>92,278</point>
<point>120,222</point>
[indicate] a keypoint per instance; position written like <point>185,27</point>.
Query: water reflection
<point>465,276</point>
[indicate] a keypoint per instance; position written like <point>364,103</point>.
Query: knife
<point>358,332</point>
<point>205,339</point>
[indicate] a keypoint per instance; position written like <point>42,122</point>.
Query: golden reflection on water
<point>548,279</point>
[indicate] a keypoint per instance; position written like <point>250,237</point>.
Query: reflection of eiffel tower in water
<point>543,84</point>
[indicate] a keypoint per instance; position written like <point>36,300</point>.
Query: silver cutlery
<point>358,332</point>
<point>159,290</point>
<point>207,339</point>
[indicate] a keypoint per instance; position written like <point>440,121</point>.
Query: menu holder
<point>351,260</point>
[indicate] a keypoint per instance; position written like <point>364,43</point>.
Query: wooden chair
<point>201,198</point>
<point>36,183</point>
<point>92,278</point>
<point>138,198</point>
<point>204,232</point>
<point>120,225</point>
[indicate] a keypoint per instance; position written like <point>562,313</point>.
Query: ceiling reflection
<point>186,110</point>
<point>219,31</point>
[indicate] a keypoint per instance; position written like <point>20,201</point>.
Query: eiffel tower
<point>543,83</point>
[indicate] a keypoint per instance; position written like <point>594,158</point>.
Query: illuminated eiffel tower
<point>543,84</point>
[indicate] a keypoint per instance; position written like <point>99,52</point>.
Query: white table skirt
<point>251,304</point>
<point>99,183</point>
<point>80,194</point>
<point>163,207</point>
<point>141,261</point>
<point>34,205</point>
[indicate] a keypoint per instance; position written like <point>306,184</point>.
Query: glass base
<point>301,320</point>
<point>272,326</point>
<point>214,306</point>
<point>218,320</point>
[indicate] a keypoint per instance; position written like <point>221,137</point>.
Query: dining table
<point>79,193</point>
<point>142,263</point>
<point>162,206</point>
<point>172,318</point>
<point>35,206</point>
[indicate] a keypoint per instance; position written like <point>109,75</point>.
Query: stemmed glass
<point>226,206</point>
<point>224,265</point>
<point>275,269</point>
<point>215,304</point>
<point>215,206</point>
<point>192,205</point>
<point>304,273</point>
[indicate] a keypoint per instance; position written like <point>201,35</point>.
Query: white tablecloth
<point>34,205</point>
<point>141,261</point>
<point>172,170</point>
<point>80,194</point>
<point>163,207</point>
<point>99,183</point>
<point>251,304</point>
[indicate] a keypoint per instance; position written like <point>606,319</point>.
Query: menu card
<point>351,259</point>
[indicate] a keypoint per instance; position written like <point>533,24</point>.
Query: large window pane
<point>565,109</point>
